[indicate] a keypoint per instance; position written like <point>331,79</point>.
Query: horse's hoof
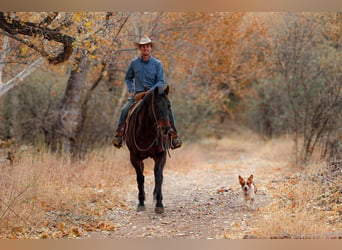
<point>159,210</point>
<point>141,208</point>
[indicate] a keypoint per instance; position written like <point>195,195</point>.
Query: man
<point>144,73</point>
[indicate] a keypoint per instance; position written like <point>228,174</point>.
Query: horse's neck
<point>147,121</point>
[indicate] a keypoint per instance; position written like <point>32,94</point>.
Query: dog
<point>248,190</point>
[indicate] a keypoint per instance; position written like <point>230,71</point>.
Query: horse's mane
<point>147,99</point>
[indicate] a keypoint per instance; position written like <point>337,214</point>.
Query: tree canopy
<point>276,73</point>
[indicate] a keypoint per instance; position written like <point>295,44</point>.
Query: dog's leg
<point>253,203</point>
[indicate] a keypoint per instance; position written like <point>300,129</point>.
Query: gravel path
<point>204,203</point>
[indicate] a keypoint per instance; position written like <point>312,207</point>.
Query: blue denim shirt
<point>142,75</point>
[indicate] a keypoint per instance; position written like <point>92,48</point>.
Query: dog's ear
<point>240,178</point>
<point>250,177</point>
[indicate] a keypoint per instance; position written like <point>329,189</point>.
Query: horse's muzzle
<point>165,130</point>
<point>164,127</point>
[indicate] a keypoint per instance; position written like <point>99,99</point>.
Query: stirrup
<point>176,142</point>
<point>117,141</point>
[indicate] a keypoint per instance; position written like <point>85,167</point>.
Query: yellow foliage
<point>88,24</point>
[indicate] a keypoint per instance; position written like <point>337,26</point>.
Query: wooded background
<point>62,75</point>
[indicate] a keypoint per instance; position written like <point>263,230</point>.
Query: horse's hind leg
<point>158,178</point>
<point>139,169</point>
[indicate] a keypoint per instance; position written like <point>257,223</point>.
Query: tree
<point>307,71</point>
<point>87,33</point>
<point>211,59</point>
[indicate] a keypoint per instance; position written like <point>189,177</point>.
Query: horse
<point>148,135</point>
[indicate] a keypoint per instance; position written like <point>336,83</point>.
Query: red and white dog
<point>248,189</point>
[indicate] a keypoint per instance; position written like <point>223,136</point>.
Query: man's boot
<point>117,140</point>
<point>176,142</point>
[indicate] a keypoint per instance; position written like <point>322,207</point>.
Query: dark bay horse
<point>148,135</point>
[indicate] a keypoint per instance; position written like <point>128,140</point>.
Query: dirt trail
<point>202,203</point>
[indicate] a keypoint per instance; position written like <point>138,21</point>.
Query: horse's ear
<point>166,89</point>
<point>156,91</point>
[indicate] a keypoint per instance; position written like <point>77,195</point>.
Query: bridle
<point>164,136</point>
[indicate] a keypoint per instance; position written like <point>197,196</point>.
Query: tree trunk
<point>65,128</point>
<point>79,148</point>
<point>120,104</point>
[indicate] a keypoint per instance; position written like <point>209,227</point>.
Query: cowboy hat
<point>144,40</point>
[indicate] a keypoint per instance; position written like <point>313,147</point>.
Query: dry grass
<point>44,195</point>
<point>301,203</point>
<point>40,183</point>
<point>42,190</point>
<point>301,206</point>
<point>183,161</point>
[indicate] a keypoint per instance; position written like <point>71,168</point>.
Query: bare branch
<point>15,27</point>
<point>4,87</point>
<point>5,49</point>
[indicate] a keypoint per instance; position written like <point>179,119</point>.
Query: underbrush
<point>44,195</point>
<point>304,204</point>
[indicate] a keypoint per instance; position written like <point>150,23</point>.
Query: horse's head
<point>150,123</point>
<point>162,109</point>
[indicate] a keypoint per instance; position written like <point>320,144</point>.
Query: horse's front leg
<point>158,179</point>
<point>139,169</point>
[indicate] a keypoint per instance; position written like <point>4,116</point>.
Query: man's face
<point>145,49</point>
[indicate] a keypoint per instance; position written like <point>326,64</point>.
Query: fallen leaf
<point>75,232</point>
<point>61,227</point>
<point>17,230</point>
<point>234,224</point>
<point>44,235</point>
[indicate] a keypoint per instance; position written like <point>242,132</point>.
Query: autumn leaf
<point>61,227</point>
<point>88,24</point>
<point>104,226</point>
<point>44,235</point>
<point>75,232</point>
